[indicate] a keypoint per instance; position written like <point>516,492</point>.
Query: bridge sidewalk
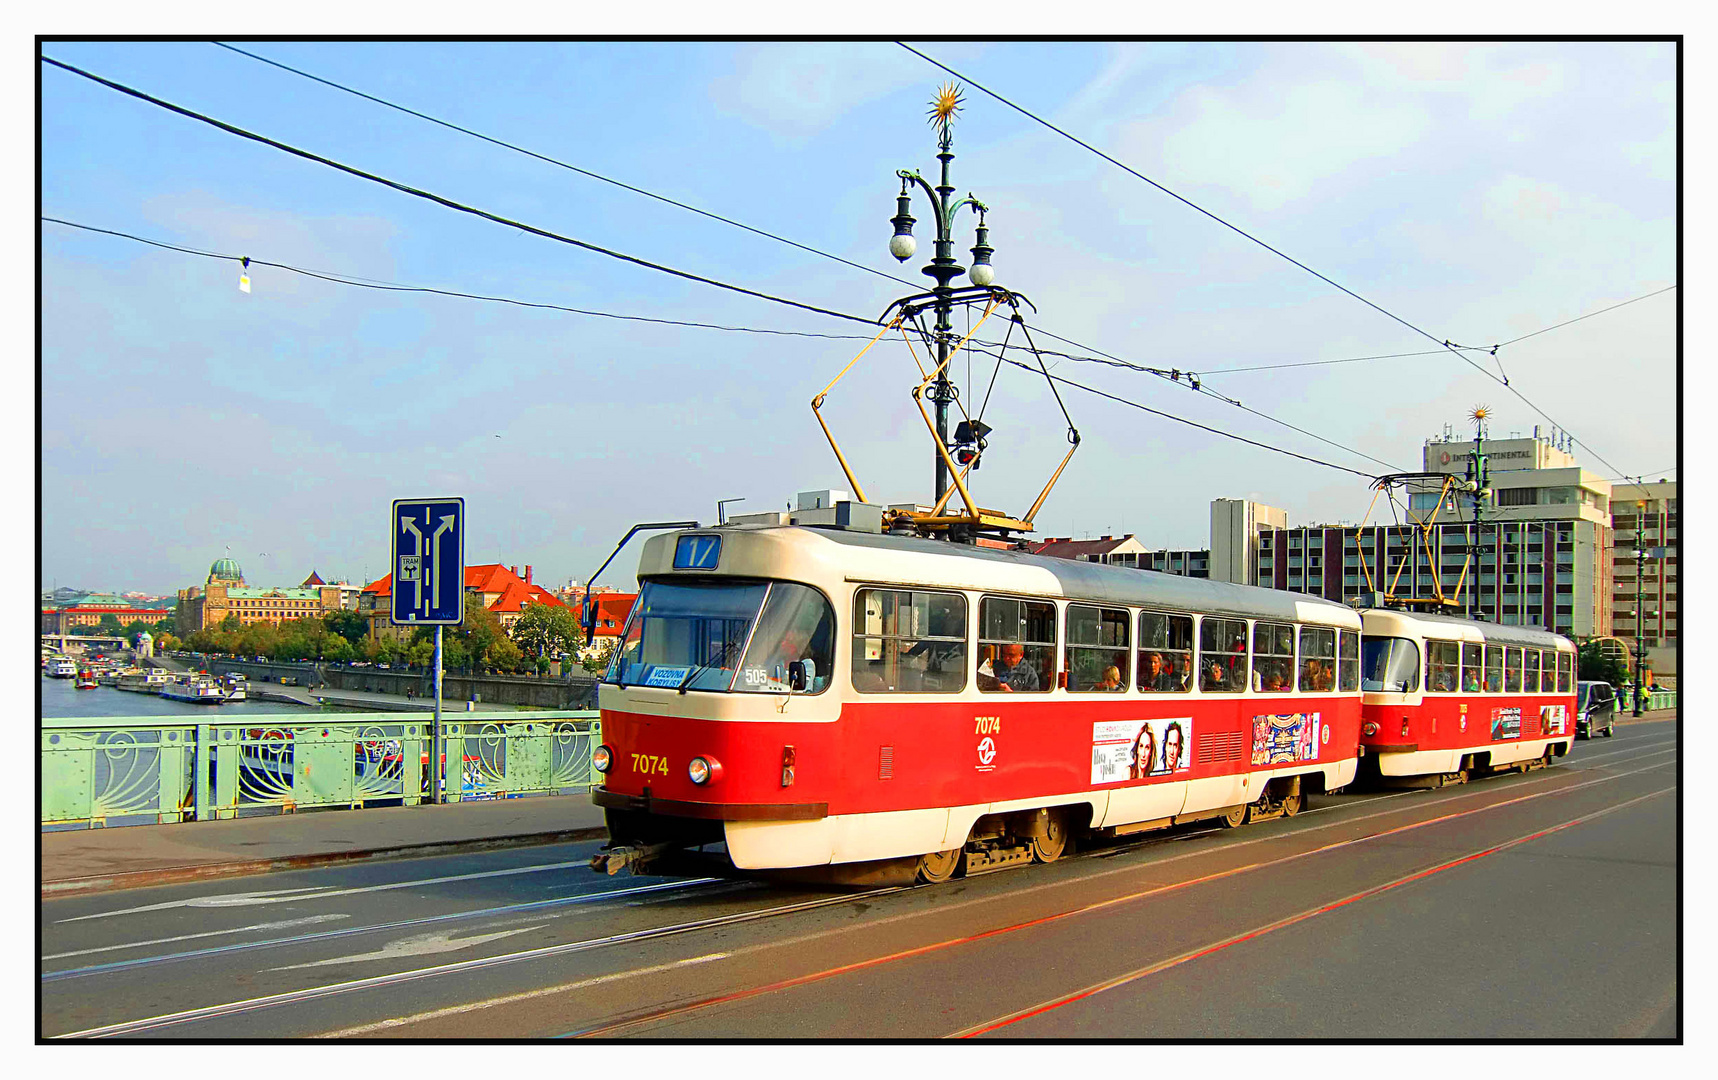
<point>129,857</point>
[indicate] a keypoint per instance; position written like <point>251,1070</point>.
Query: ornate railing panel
<point>145,769</point>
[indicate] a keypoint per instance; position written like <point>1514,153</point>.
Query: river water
<point>61,698</point>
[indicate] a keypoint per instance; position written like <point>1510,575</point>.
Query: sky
<point>1479,192</point>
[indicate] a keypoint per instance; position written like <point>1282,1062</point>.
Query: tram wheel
<point>1292,804</point>
<point>937,867</point>
<point>1050,847</point>
<point>1238,817</point>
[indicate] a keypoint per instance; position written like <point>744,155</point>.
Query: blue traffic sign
<point>428,564</point>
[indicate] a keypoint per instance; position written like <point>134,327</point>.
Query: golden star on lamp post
<point>943,109</point>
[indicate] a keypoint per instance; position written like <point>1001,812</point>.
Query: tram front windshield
<point>1389,665</point>
<point>725,635</point>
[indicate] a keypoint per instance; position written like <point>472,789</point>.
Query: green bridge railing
<point>152,769</point>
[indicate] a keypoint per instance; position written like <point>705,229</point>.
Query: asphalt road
<point>1521,906</point>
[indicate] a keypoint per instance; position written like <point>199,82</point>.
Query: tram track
<point>1286,827</point>
<point>630,1023</point>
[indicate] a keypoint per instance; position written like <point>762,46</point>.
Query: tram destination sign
<point>428,563</point>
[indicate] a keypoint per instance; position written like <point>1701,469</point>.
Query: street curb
<point>177,875</point>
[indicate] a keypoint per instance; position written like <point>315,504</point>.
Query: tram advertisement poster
<point>1506,723</point>
<point>1282,738</point>
<point>1553,719</point>
<point>1136,749</point>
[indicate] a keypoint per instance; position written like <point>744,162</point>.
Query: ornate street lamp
<point>942,266</point>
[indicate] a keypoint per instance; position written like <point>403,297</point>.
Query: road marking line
<point>510,999</point>
<point>282,925</point>
<point>313,992</point>
<point>610,1029</point>
<point>416,945</point>
<point>237,899</point>
<point>506,909</point>
<point>1207,950</point>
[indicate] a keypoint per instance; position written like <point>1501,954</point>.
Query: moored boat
<point>86,680</point>
<point>147,682</point>
<point>235,684</point>
<point>62,668</point>
<point>196,689</point>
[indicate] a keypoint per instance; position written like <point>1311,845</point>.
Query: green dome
<point>226,570</point>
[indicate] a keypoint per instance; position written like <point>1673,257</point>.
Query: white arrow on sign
<point>411,526</point>
<point>419,945</point>
<point>446,524</point>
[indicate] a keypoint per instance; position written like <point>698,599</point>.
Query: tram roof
<point>1498,633</point>
<point>912,561</point>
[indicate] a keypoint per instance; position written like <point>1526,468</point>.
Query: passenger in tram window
<point>1144,754</point>
<point>1470,680</point>
<point>1111,679</point>
<point>1013,674</point>
<point>1178,673</point>
<point>1151,671</point>
<point>1327,676</point>
<point>1216,677</point>
<point>987,680</point>
<point>1172,740</point>
<point>1273,682</point>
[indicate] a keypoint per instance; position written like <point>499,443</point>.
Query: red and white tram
<point>1444,698</point>
<point>879,705</point>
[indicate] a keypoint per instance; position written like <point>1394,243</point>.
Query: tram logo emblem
<point>986,754</point>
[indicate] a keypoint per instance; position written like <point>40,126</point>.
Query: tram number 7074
<point>647,764</point>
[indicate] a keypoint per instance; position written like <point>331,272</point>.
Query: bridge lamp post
<point>942,267</point>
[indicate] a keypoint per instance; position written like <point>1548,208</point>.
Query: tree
<point>545,630</point>
<point>109,624</point>
<point>338,649</point>
<point>1593,665</point>
<point>348,624</point>
<point>503,654</point>
<point>481,629</point>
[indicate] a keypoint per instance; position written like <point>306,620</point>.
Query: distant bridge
<point>60,641</point>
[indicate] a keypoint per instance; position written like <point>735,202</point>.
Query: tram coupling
<point>633,857</point>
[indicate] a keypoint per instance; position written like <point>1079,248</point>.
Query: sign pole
<point>437,744</point>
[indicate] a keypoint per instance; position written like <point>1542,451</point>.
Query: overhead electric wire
<point>1588,315</point>
<point>444,201</point>
<point>1192,423</point>
<point>388,286</point>
<point>557,162</point>
<point>1444,342</point>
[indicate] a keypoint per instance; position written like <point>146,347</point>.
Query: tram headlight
<point>601,759</point>
<point>1369,728</point>
<point>704,770</point>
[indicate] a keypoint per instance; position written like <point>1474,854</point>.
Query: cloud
<point>797,91</point>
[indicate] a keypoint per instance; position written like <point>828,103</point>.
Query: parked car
<point>1595,709</point>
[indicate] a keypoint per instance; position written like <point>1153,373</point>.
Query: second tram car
<point>815,697</point>
<point>1444,698</point>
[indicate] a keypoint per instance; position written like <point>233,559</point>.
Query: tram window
<point>1273,657</point>
<point>1389,665</point>
<point>1512,670</point>
<point>797,625</point>
<point>1530,684</point>
<point>1350,661</point>
<point>1222,655</point>
<point>1493,683</point>
<point>1317,659</point>
<point>1443,666</point>
<point>689,634</point>
<point>1471,663</point>
<point>1565,672</point>
<point>909,642</point>
<point>1097,649</point>
<point>1165,652</point>
<point>1016,645</point>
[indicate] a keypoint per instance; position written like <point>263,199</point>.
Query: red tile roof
<point>486,578</point>
<point>1069,548</point>
<point>612,610</point>
<point>519,595</point>
<point>313,580</point>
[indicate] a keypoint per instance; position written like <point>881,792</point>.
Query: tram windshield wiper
<point>720,658</point>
